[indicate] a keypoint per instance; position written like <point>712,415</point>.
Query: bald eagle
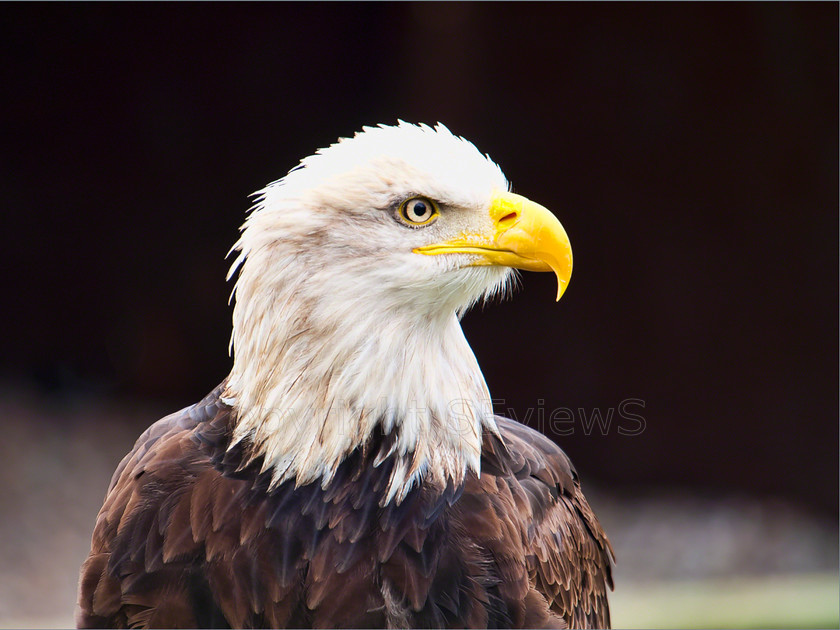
<point>349,471</point>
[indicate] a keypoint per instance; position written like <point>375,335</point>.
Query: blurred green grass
<point>782,601</point>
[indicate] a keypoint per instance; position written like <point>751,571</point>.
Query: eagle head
<point>353,270</point>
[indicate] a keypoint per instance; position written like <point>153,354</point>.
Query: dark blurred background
<point>690,150</point>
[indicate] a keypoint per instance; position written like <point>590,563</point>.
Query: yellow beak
<point>525,235</point>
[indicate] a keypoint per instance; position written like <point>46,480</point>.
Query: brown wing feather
<point>151,534</point>
<point>568,557</point>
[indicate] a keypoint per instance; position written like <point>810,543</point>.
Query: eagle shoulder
<point>157,523</point>
<point>568,558</point>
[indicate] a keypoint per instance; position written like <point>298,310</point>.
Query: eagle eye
<point>418,212</point>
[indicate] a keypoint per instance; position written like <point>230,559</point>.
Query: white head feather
<point>339,326</point>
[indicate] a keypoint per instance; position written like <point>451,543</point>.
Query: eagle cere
<point>330,480</point>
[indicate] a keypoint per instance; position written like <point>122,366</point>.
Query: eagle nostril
<point>508,220</point>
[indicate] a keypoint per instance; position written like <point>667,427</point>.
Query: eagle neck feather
<point>309,389</point>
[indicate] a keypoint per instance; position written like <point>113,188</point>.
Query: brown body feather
<point>191,536</point>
